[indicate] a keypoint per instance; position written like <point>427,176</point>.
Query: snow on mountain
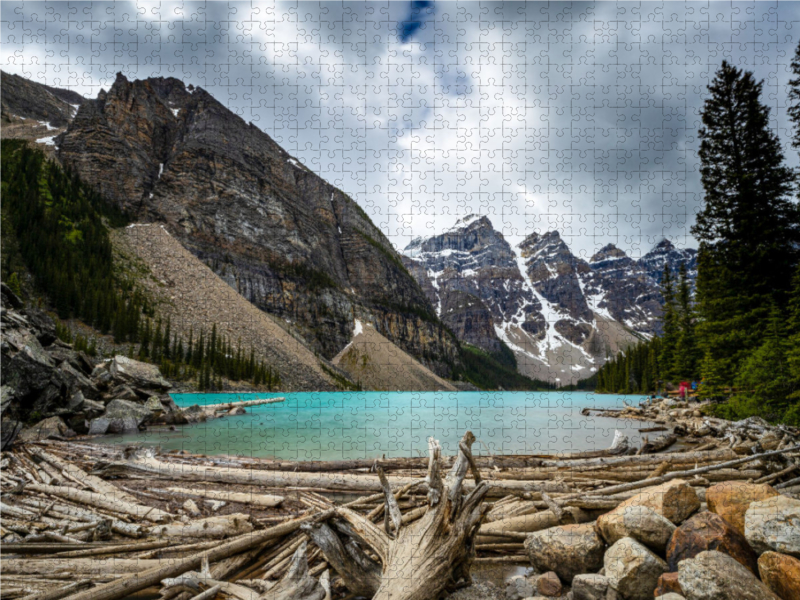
<point>561,315</point>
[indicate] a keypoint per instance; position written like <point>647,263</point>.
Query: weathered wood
<point>144,579</point>
<point>139,511</point>
<point>361,574</point>
<point>266,500</point>
<point>61,592</point>
<point>278,479</point>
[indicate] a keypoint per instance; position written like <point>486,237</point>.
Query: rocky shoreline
<point>51,391</point>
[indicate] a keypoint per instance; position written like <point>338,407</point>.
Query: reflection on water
<point>349,425</point>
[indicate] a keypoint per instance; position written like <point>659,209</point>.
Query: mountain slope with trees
<point>741,336</point>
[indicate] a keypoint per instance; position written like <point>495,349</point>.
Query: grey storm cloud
<point>580,117</point>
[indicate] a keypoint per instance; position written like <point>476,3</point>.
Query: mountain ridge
<point>288,241</point>
<point>560,314</point>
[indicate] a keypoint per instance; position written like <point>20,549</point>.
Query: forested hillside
<point>740,335</point>
<point>56,228</point>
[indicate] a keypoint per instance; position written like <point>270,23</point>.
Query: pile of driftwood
<point>92,522</point>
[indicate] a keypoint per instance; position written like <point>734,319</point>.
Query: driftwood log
<point>421,559</point>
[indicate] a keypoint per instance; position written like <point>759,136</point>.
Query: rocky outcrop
<point>731,499</point>
<point>709,531</point>
<point>774,524</point>
<point>665,252</point>
<point>288,241</point>
<point>714,575</point>
<point>22,97</point>
<point>568,550</point>
<point>41,377</point>
<point>780,573</point>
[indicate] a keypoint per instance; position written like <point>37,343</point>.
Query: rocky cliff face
<point>288,241</point>
<point>561,315</point>
<point>30,100</point>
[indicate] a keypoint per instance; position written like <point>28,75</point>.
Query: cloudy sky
<point>580,117</point>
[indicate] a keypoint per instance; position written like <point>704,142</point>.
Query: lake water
<point>348,425</point>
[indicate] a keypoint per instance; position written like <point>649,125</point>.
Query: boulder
<point>713,575</point>
<point>731,499</point>
<point>236,411</point>
<point>639,522</point>
<point>668,583</point>
<point>632,569</point>
<point>674,500</point>
<point>44,429</point>
<point>137,374</point>
<point>774,524</point>
<point>569,550</point>
<point>153,404</point>
<point>121,416</point>
<point>123,392</point>
<point>186,416</point>
<point>75,379</point>
<point>709,531</point>
<point>780,573</point>
<point>548,584</point>
<point>518,587</point>
<point>589,586</point>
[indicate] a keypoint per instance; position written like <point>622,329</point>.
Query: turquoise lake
<point>348,425</point>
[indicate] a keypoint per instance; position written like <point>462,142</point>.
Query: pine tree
<point>748,228</point>
<point>669,321</point>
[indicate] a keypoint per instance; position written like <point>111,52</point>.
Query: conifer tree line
<point>741,335</point>
<point>205,359</point>
<point>61,231</point>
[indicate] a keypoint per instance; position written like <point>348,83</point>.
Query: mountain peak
<point>606,252</point>
<point>664,246</point>
<point>471,221</point>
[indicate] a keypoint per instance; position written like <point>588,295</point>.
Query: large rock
<point>121,416</point>
<point>589,586</point>
<point>639,522</point>
<point>781,574</point>
<point>137,374</point>
<point>569,550</point>
<point>731,499</point>
<point>632,569</point>
<point>674,500</point>
<point>44,429</point>
<point>709,531</point>
<point>712,575</point>
<point>774,524</point>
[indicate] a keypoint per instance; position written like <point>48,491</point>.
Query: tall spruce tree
<point>748,228</point>
<point>669,325</point>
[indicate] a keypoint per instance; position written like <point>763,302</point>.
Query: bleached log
<point>266,500</point>
<point>144,579</point>
<point>218,527</point>
<point>102,501</point>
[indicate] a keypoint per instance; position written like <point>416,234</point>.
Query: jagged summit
<point>607,252</point>
<point>284,238</point>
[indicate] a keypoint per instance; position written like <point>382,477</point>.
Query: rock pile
<point>60,392</point>
<point>663,543</point>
